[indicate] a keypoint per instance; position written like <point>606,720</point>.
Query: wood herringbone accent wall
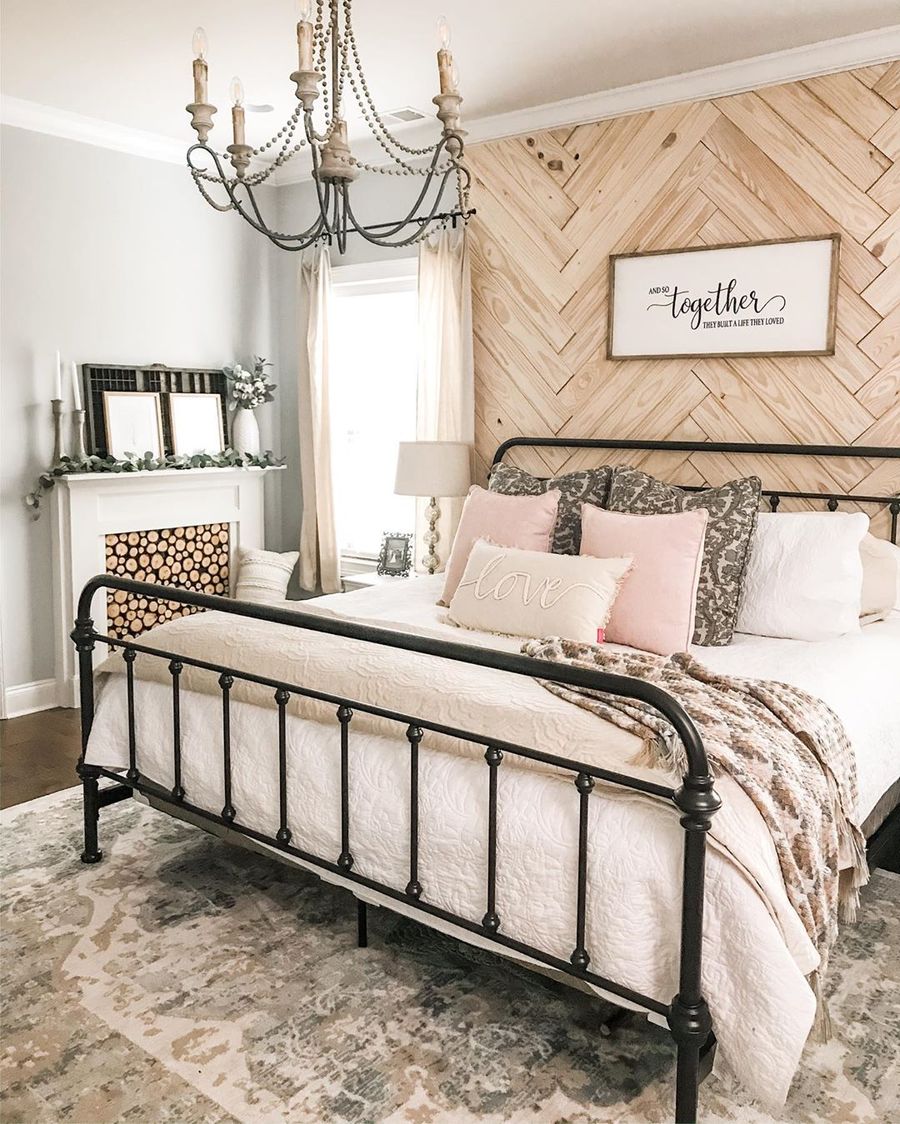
<point>805,158</point>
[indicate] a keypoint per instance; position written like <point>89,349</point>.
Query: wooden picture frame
<point>133,422</point>
<point>395,557</point>
<point>196,423</point>
<point>725,294</point>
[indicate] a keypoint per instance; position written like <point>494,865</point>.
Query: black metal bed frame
<point>696,801</point>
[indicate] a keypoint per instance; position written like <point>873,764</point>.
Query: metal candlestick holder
<point>78,434</point>
<point>57,404</point>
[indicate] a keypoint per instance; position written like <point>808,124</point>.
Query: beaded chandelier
<point>330,69</point>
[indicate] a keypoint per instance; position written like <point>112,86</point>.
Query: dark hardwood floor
<point>38,754</point>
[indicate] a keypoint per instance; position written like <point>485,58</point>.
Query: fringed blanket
<point>787,750</point>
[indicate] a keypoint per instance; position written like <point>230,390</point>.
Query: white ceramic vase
<point>245,432</point>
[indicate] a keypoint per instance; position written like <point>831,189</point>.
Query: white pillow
<point>534,593</point>
<point>804,576</point>
<point>881,577</point>
<point>263,575</point>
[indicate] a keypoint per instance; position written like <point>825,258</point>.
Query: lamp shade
<point>433,468</point>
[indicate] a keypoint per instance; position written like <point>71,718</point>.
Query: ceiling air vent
<point>405,113</point>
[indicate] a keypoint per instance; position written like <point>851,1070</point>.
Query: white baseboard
<point>25,698</point>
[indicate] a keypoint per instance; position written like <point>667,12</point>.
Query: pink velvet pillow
<point>525,522</point>
<point>655,608</point>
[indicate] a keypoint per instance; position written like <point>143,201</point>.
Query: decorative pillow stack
<point>732,510</point>
<point>655,609</point>
<point>525,522</point>
<point>536,593</point>
<point>575,488</point>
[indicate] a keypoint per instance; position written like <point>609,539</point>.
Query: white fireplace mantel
<point>87,507</point>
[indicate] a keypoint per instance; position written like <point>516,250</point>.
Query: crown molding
<point>37,118</point>
<point>791,65</point>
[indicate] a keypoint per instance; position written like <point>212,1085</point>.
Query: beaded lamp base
<point>432,536</point>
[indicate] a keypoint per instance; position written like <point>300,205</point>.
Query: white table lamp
<point>436,469</point>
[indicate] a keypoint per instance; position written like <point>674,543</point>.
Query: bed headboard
<point>862,481</point>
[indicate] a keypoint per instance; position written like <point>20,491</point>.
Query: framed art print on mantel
<point>196,423</point>
<point>133,421</point>
<point>739,299</point>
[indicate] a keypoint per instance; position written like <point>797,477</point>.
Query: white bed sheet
<point>634,863</point>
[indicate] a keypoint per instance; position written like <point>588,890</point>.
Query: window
<point>373,399</point>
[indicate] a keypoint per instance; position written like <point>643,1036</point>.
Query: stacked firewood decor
<point>190,557</point>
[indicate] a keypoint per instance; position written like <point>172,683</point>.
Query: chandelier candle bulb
<point>236,92</point>
<point>200,81</point>
<point>445,70</point>
<point>237,121</point>
<point>198,43</point>
<point>305,44</point>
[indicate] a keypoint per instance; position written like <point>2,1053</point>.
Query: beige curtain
<point>320,566</point>
<point>445,391</point>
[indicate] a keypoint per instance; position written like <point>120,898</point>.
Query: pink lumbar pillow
<point>655,608</point>
<point>525,522</point>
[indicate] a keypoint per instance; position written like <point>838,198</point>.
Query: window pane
<point>373,407</point>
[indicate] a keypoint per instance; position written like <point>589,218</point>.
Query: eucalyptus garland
<point>132,462</point>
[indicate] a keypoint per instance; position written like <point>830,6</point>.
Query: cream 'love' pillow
<point>532,593</point>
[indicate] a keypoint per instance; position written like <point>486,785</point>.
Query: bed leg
<point>83,636</point>
<point>362,924</point>
<point>91,793</point>
<point>687,1083</point>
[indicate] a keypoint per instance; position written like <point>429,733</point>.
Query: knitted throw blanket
<point>786,749</point>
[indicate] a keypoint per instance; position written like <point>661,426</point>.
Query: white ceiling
<point>128,62</point>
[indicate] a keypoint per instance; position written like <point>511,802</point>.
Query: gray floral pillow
<point>588,486</point>
<point>732,519</point>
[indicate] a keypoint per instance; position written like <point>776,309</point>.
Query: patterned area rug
<point>187,980</point>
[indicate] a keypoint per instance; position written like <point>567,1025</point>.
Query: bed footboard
<point>687,1015</point>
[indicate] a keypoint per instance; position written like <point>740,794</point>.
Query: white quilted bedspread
<point>756,953</point>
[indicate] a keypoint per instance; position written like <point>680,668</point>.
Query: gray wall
<point>114,258</point>
<point>108,257</point>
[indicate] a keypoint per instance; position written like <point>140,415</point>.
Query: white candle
<point>58,391</point>
<point>76,386</point>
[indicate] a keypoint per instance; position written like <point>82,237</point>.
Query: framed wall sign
<point>196,423</point>
<point>739,299</point>
<point>133,423</point>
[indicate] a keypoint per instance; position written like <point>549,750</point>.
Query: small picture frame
<point>196,421</point>
<point>395,558</point>
<point>133,420</point>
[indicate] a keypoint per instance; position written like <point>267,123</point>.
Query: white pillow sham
<point>537,594</point>
<point>263,575</point>
<point>881,578</point>
<point>804,575</point>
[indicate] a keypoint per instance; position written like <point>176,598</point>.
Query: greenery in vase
<point>249,389</point>
<point>133,462</point>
